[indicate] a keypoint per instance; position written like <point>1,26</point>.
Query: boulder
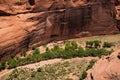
<point>106,68</point>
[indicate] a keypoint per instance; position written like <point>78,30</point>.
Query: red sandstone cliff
<point>25,23</point>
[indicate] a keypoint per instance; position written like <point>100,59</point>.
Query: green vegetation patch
<point>56,71</point>
<point>71,50</point>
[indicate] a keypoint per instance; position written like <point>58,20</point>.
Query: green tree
<point>80,52</point>
<point>12,63</point>
<point>89,44</point>
<point>74,45</point>
<point>108,44</point>
<point>97,43</point>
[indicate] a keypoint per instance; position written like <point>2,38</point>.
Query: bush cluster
<point>84,74</point>
<point>23,53</point>
<point>71,50</point>
<point>93,44</point>
<point>92,62</point>
<point>108,44</point>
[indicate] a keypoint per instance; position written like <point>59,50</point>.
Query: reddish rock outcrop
<point>107,68</point>
<point>23,26</point>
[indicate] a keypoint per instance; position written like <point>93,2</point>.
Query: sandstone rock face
<point>106,68</point>
<point>13,6</point>
<point>24,25</point>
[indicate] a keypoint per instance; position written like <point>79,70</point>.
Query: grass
<point>56,71</point>
<point>91,63</point>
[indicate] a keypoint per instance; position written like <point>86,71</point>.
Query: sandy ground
<point>6,72</point>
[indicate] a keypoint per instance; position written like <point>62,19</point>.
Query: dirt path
<point>41,63</point>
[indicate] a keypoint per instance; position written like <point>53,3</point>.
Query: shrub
<point>15,75</point>
<point>96,52</point>
<point>23,53</point>
<point>22,61</point>
<point>33,58</point>
<point>3,65</point>
<point>68,46</point>
<point>97,43</point>
<point>48,55</point>
<point>89,52</point>
<point>74,45</point>
<point>47,49</point>
<point>33,74</point>
<point>39,70</point>
<point>12,63</point>
<point>66,42</point>
<point>84,75</point>
<point>92,62</point>
<point>36,51</point>
<point>71,45</point>
<point>56,47</point>
<point>69,54</point>
<point>107,44</point>
<point>58,53</point>
<point>80,52</point>
<point>12,56</point>
<point>93,44</point>
<point>89,44</point>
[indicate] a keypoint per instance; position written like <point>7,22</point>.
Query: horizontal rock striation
<point>23,28</point>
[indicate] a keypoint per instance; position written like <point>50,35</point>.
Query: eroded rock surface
<point>23,24</point>
<point>107,68</point>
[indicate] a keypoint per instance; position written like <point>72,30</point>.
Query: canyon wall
<point>24,25</point>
